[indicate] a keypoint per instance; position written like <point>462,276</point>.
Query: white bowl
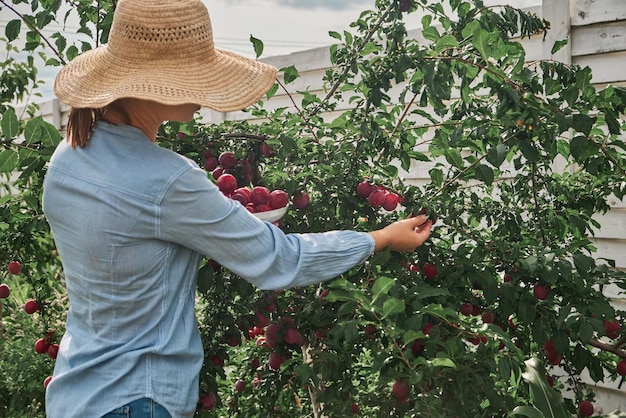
<point>271,215</point>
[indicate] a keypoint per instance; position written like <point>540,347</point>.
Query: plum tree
<point>511,243</point>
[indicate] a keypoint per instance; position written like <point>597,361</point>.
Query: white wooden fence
<point>596,30</point>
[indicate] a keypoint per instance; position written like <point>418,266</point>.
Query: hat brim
<point>224,82</point>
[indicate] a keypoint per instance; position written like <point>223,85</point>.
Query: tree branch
<point>466,169</point>
<point>34,29</point>
<point>366,39</point>
<point>611,348</point>
<point>304,118</point>
<point>259,138</point>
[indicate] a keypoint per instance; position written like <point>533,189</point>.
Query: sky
<point>284,26</point>
<point>287,26</point>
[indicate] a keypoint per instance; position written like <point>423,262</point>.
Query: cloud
<point>319,4</point>
<point>323,4</point>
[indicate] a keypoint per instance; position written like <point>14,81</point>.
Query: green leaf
<point>8,161</point>
<point>42,19</point>
<point>497,155</point>
<point>579,147</point>
<point>484,173</point>
<point>428,292</point>
<point>9,124</point>
<point>584,264</point>
<point>336,295</point>
<point>612,122</point>
<point>52,62</point>
<point>290,74</point>
<point>33,40</point>
<point>431,33</point>
<point>392,306</point>
<point>306,373</point>
<point>437,310</point>
<point>528,150</point>
<point>370,48</point>
<point>381,287</point>
<point>558,45</point>
<point>571,94</point>
<point>443,362</point>
<point>453,156</point>
<point>37,130</point>
<point>527,411</point>
<point>426,21</point>
<point>564,121</point>
<point>585,332</point>
<point>552,86</point>
<point>543,396</point>
<point>348,37</point>
<point>334,34</point>
<point>480,40</point>
<point>526,312</point>
<point>381,257</point>
<point>348,294</point>
<point>583,123</point>
<point>12,30</point>
<point>411,335</point>
<point>272,91</point>
<point>446,42</point>
<point>340,122</point>
<point>530,263</point>
<point>540,331</point>
<point>258,46</point>
<point>380,361</point>
<point>71,53</point>
<point>436,176</point>
<point>205,278</point>
<point>60,42</point>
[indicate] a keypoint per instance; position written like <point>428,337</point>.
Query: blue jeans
<point>141,408</point>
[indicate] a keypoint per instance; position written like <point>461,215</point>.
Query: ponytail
<point>80,125</point>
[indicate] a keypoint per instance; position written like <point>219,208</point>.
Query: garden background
<point>596,35</point>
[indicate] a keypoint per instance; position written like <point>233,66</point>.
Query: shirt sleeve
<point>195,214</point>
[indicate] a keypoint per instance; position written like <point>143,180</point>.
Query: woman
<point>132,221</point>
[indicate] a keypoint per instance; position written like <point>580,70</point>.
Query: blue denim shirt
<point>131,222</point>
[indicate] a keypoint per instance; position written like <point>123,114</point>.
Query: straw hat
<point>163,51</point>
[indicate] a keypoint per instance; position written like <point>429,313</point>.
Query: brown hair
<point>81,121</point>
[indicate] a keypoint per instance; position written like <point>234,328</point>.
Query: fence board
<point>612,249</point>
<point>606,68</point>
<point>587,12</point>
<point>599,39</point>
<point>613,224</point>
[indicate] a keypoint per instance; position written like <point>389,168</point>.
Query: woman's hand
<point>404,235</point>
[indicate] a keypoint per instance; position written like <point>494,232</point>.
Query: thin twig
<point>533,182</point>
<point>34,29</point>
<point>403,116</point>
<point>302,116</point>
<point>259,138</point>
<point>469,167</point>
<point>98,26</point>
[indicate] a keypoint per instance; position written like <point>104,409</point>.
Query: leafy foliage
<point>521,157</point>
